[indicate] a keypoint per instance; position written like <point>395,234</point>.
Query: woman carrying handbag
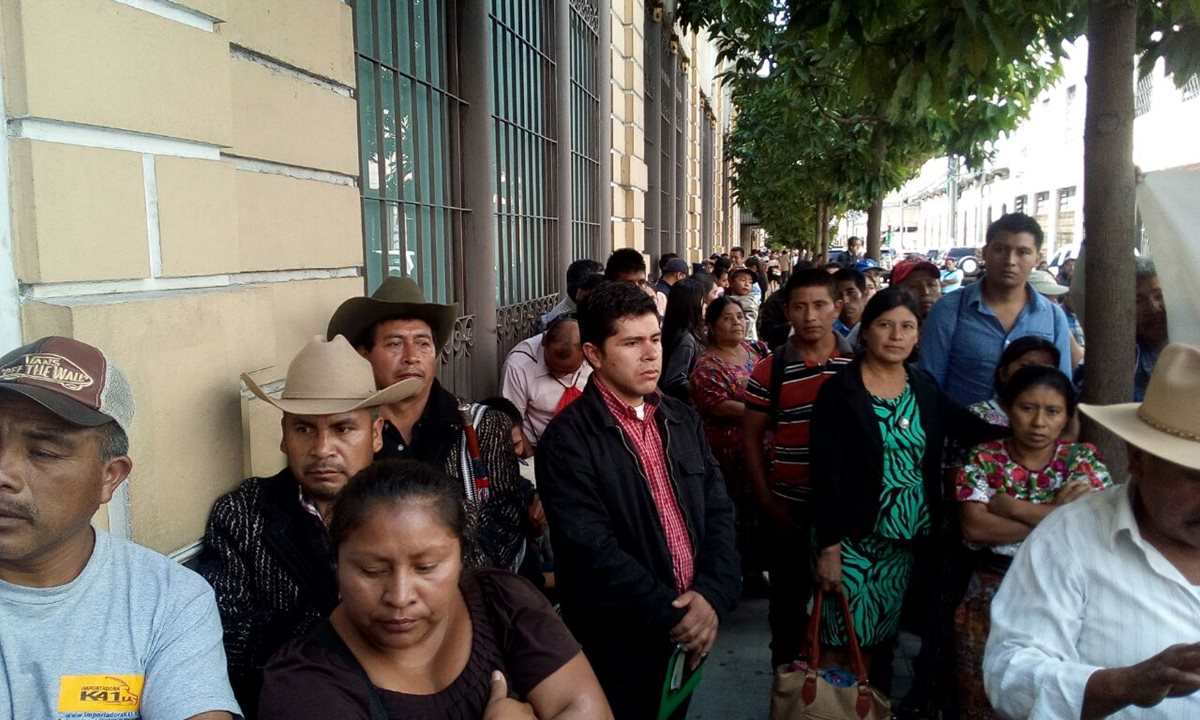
<point>876,450</point>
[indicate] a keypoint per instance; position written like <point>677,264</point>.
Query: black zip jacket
<point>612,565</point>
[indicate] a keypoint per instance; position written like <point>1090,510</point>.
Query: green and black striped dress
<point>876,568</point>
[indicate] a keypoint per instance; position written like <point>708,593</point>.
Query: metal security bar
<point>410,143</point>
<point>680,86</point>
<point>1143,95</point>
<point>651,54</point>
<point>1191,88</point>
<point>708,225</point>
<point>667,190</point>
<point>585,130</point>
<point>525,118</point>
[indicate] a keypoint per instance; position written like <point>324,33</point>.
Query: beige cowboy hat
<point>330,377</point>
<point>396,298</point>
<point>1167,423</point>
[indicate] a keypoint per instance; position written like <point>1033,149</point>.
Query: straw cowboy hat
<point>330,377</point>
<point>396,299</point>
<point>1167,423</point>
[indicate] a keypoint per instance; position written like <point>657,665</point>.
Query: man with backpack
<point>775,431</point>
<point>402,336</point>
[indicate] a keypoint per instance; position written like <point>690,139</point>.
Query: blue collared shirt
<point>962,340</point>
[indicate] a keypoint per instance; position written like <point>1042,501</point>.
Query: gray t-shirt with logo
<point>135,636</point>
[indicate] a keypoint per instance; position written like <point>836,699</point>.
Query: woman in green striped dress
<point>877,435</point>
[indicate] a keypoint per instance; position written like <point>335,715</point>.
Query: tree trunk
<point>874,220</point>
<point>875,213</point>
<point>1108,215</point>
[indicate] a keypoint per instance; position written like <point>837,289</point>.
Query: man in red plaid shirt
<point>641,526</point>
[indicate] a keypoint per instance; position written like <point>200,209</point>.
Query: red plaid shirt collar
<point>647,445</point>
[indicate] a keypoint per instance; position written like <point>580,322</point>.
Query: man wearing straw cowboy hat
<point>403,335</point>
<point>1099,615</point>
<point>266,550</point>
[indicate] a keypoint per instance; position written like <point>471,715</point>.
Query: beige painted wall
<point>183,195</point>
<point>628,124</point>
<point>184,198</point>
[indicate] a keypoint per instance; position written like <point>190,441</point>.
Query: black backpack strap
<point>778,365</point>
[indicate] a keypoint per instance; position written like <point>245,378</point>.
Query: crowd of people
<point>753,425</point>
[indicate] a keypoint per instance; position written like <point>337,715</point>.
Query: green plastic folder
<point>679,684</point>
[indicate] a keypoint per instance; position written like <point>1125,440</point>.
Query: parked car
<point>1063,254</point>
<point>967,258</point>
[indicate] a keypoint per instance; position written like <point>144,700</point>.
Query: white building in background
<point>1038,169</point>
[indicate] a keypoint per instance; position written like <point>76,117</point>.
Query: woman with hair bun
<point>416,634</point>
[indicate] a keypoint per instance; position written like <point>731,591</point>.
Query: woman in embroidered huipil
<point>1004,490</point>
<point>716,388</point>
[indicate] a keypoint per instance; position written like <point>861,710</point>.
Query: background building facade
<point>1038,169</point>
<point>195,185</point>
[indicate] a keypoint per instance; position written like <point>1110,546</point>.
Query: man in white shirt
<point>1099,615</point>
<point>545,373</point>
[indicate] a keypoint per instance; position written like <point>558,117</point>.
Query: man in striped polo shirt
<point>775,436</point>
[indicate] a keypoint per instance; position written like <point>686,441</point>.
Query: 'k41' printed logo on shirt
<point>108,696</point>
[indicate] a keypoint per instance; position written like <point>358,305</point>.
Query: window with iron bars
<point>1191,89</point>
<point>585,130</point>
<point>409,111</point>
<point>1143,95</point>
<point>525,121</point>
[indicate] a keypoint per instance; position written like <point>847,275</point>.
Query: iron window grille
<point>585,130</point>
<point>410,110</point>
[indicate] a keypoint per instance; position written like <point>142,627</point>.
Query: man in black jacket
<point>641,526</point>
<point>266,550</point>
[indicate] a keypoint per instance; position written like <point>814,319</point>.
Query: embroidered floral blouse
<point>990,470</point>
<point>713,382</point>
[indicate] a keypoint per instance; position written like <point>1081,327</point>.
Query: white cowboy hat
<point>1167,423</point>
<point>330,377</point>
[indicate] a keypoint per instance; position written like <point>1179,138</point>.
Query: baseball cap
<point>1044,283</point>
<point>867,264</point>
<point>904,268</point>
<point>74,380</point>
<point>675,265</point>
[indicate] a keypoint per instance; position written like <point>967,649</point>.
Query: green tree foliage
<point>841,100</point>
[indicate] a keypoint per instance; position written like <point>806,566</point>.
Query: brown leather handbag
<point>802,690</point>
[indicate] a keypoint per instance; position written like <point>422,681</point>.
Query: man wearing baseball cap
<point>672,271</point>
<point>921,278</point>
<point>90,625</point>
<point>1099,615</point>
<point>266,548</point>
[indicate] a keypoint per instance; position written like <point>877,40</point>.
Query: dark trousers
<point>789,562</point>
<point>631,673</point>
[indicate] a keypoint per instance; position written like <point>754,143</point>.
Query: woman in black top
<point>682,336</point>
<point>416,635</point>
